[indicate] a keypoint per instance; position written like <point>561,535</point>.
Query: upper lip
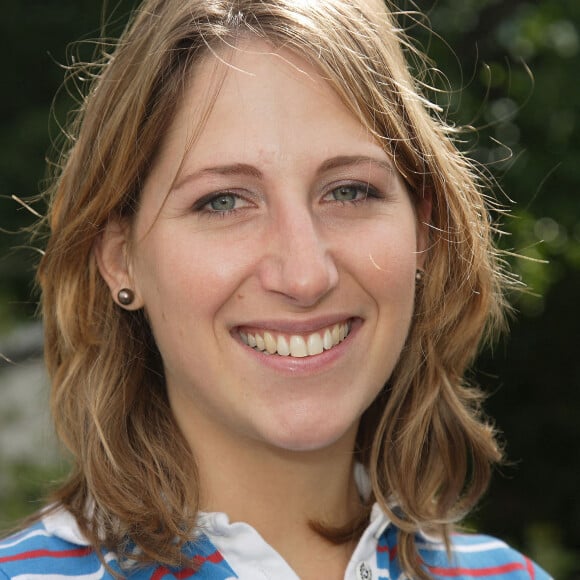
<point>295,326</point>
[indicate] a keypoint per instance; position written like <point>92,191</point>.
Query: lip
<point>293,326</point>
<point>300,366</point>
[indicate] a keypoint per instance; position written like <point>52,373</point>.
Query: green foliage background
<point>513,71</point>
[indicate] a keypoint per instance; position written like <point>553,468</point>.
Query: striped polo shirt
<point>55,549</point>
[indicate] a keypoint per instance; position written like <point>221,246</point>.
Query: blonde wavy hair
<point>423,440</point>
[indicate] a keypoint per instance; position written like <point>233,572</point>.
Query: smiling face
<point>278,274</point>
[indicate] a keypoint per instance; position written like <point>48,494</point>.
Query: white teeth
<point>297,346</point>
<point>269,342</point>
<point>260,344</point>
<point>327,340</point>
<point>282,346</point>
<point>315,345</point>
<point>335,332</point>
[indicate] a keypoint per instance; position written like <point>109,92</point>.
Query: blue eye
<point>348,193</point>
<point>223,202</point>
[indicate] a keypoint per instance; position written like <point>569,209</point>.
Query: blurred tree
<point>513,67</point>
<point>37,36</point>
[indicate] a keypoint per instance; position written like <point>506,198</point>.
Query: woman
<point>268,269</point>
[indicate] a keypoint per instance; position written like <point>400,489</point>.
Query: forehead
<point>253,93</point>
<point>239,76</point>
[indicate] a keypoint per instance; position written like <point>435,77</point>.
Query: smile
<point>296,345</point>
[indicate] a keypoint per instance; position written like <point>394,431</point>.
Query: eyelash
<point>201,206</point>
<point>368,191</point>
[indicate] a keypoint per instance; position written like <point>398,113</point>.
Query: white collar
<point>241,545</point>
<point>253,558</point>
<point>62,524</point>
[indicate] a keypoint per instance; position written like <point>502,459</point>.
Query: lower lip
<point>308,364</point>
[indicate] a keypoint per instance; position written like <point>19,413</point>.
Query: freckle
<point>240,296</point>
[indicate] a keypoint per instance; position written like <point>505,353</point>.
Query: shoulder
<point>36,552</point>
<point>48,549</point>
<point>55,549</point>
<point>481,556</point>
<point>471,556</point>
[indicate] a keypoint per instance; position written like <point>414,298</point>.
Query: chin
<point>312,437</point>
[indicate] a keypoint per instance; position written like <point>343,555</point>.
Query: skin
<point>322,231</point>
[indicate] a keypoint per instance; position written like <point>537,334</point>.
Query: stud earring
<point>125,296</point>
<point>419,275</point>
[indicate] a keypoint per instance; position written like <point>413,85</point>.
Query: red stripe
<point>477,572</point>
<point>47,554</point>
<point>391,551</point>
<point>186,573</point>
<point>214,558</point>
<point>530,568</point>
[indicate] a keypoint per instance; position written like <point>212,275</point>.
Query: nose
<point>297,262</point>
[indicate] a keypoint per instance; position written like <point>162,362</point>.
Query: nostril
<point>297,263</point>
<point>309,282</point>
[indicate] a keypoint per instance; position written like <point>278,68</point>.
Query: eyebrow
<point>248,170</point>
<point>348,160</point>
<point>232,169</point>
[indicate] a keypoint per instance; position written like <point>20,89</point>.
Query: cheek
<point>184,274</point>
<point>387,259</point>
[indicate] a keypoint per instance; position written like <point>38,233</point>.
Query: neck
<point>255,482</point>
<point>281,493</point>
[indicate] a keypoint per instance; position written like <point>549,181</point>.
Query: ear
<point>423,209</point>
<point>112,256</point>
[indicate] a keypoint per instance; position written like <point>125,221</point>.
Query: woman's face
<point>278,275</point>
